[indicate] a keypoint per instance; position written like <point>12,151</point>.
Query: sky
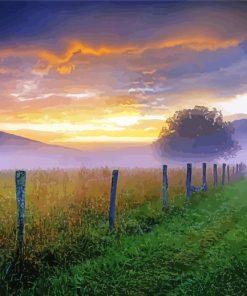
<point>112,72</point>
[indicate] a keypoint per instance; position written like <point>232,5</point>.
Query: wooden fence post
<point>237,169</point>
<point>20,181</point>
<point>165,185</point>
<point>188,181</point>
<point>113,199</point>
<point>228,174</point>
<point>204,177</point>
<point>233,171</point>
<point>215,175</point>
<point>223,174</point>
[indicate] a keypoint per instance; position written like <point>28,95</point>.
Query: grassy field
<point>189,249</point>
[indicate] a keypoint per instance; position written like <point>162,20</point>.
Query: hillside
<point>19,152</point>
<point>200,249</point>
<point>240,127</point>
<point>240,135</point>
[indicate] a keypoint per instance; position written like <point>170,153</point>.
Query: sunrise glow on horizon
<point>65,81</point>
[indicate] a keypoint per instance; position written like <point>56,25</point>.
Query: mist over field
<point>17,152</point>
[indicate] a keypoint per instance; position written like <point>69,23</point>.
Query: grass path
<point>201,251</point>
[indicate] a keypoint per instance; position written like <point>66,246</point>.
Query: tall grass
<point>66,211</point>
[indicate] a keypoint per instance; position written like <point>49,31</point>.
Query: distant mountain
<point>13,141</point>
<point>237,116</point>
<point>20,152</point>
<point>240,133</point>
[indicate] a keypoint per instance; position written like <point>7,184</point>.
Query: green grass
<point>198,248</point>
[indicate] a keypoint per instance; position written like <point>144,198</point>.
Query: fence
<point>226,176</point>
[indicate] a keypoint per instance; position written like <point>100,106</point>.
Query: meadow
<point>67,236</point>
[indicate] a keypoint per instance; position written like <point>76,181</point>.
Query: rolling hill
<point>240,127</point>
<point>19,152</point>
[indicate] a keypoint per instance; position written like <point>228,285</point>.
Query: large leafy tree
<point>197,133</point>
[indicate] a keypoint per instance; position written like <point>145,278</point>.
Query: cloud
<point>237,105</point>
<point>124,100</point>
<point>47,60</point>
<point>35,89</point>
<point>141,90</point>
<point>25,96</point>
<point>57,127</point>
<point>5,70</point>
<point>78,96</point>
<point>197,43</point>
<point>65,69</point>
<point>133,119</point>
<point>110,139</point>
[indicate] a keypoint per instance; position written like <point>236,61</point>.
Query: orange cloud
<point>198,43</point>
<point>49,60</point>
<point>5,70</point>
<point>62,63</point>
<point>121,100</point>
<point>65,69</point>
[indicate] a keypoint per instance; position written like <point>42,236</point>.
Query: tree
<point>197,133</point>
